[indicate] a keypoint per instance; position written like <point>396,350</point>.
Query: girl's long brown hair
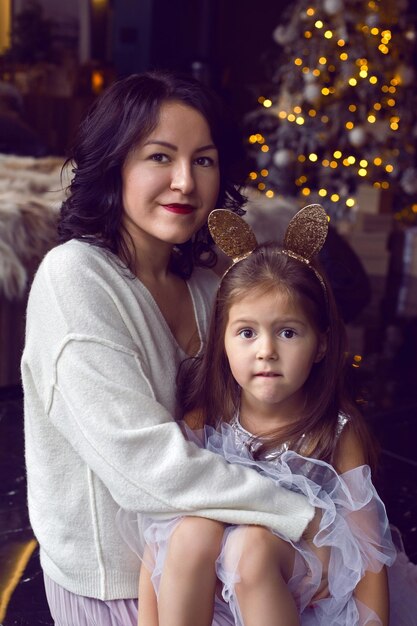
<point>206,384</point>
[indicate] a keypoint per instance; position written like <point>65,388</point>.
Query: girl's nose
<point>182,178</point>
<point>267,349</point>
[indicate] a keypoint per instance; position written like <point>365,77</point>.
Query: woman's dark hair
<point>118,120</point>
<point>207,386</point>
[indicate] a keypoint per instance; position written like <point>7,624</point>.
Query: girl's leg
<point>188,581</point>
<point>147,604</point>
<point>266,564</point>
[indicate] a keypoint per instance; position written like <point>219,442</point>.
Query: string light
<point>354,73</point>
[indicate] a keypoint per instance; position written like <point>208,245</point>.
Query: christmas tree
<point>341,106</point>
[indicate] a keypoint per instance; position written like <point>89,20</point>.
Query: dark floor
<point>386,384</point>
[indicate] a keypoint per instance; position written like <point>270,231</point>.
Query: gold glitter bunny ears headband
<point>303,240</point>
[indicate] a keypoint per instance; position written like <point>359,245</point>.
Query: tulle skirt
<point>354,533</point>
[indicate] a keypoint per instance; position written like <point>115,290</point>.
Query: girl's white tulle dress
<point>354,533</point>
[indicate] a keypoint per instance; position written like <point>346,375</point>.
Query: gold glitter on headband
<point>303,240</point>
<point>231,234</point>
<point>307,232</point>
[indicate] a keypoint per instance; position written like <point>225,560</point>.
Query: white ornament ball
<point>283,157</point>
<point>282,35</point>
<point>333,7</point>
<point>312,92</point>
<point>372,20</point>
<point>309,77</point>
<point>357,136</point>
<point>409,181</point>
<point>406,74</point>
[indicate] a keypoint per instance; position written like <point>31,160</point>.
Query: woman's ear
<point>321,348</point>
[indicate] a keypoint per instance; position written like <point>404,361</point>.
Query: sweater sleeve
<point>131,442</point>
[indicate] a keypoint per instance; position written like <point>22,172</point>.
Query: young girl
<point>268,393</point>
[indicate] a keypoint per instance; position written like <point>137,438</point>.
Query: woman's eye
<point>204,161</point>
<point>159,157</point>
<point>246,333</point>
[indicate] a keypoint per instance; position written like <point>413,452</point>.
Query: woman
<point>111,314</point>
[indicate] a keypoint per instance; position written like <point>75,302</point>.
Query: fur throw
<point>31,193</point>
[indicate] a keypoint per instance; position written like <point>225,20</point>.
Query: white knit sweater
<point>98,371</point>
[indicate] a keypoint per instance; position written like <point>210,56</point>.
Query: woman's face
<point>171,179</point>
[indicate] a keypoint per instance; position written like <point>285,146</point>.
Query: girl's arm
<point>372,589</point>
<point>147,604</point>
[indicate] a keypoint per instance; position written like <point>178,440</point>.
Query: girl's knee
<point>196,540</point>
<point>263,552</point>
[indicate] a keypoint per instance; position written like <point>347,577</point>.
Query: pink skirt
<point>68,609</point>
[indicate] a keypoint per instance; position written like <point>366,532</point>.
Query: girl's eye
<point>287,333</point>
<point>204,161</point>
<point>159,157</point>
<point>246,333</point>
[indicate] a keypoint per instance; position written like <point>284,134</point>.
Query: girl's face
<point>171,179</point>
<point>271,347</point>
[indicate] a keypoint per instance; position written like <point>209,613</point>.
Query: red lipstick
<point>180,209</point>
